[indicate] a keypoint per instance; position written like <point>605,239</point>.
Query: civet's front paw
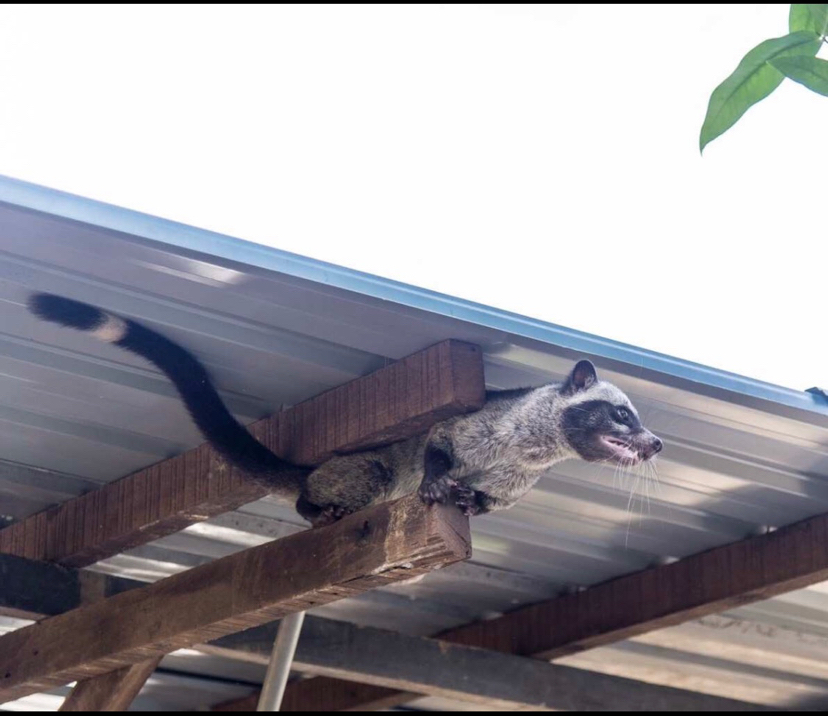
<point>437,490</point>
<point>466,499</point>
<point>329,515</point>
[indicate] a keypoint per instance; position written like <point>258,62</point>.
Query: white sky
<point>541,159</point>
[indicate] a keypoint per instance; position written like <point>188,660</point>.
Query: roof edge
<point>16,192</point>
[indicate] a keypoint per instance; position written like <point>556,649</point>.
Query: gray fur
<point>487,460</point>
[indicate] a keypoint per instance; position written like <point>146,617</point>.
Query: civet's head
<point>600,423</point>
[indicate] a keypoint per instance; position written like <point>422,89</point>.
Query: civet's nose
<point>657,445</point>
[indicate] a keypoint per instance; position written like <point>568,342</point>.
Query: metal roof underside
<point>274,329</point>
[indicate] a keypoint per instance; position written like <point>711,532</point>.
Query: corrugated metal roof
<point>274,328</point>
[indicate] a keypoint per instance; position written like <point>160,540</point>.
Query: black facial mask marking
<point>586,423</point>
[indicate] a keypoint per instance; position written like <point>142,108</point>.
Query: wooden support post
<point>393,403</point>
<point>385,544</point>
<point>114,691</point>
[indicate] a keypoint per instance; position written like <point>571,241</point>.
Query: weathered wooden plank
<point>322,695</point>
<point>113,691</point>
<point>387,543</point>
<point>247,703</point>
<point>710,582</point>
<point>322,640</point>
<point>396,402</point>
<point>32,590</point>
<point>393,403</point>
<point>486,678</point>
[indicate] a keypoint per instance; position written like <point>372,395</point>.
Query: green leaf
<point>808,71</point>
<point>819,15</point>
<point>800,18</point>
<point>752,81</point>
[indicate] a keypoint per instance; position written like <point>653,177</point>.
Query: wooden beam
<point>113,691</point>
<point>486,678</point>
<point>318,693</point>
<point>388,543</point>
<point>246,703</point>
<point>322,695</point>
<point>33,590</point>
<point>393,403</point>
<point>724,577</point>
<point>357,648</point>
<point>710,582</point>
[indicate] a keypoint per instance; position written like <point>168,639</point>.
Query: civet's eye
<point>622,414</point>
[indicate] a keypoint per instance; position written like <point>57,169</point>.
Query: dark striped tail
<point>229,437</point>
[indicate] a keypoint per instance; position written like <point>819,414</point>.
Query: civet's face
<point>601,423</point>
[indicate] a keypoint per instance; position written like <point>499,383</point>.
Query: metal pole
<point>281,658</point>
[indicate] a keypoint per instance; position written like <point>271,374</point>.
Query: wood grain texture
<point>323,695</point>
<point>385,544</point>
<point>325,647</point>
<point>113,691</point>
<point>490,679</point>
<point>396,402</point>
<point>33,590</point>
<point>710,582</point>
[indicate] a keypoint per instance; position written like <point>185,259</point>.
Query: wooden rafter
<point>387,543</point>
<point>113,691</point>
<point>354,656</point>
<point>33,590</point>
<point>393,403</point>
<point>324,695</point>
<point>760,567</point>
<point>710,582</point>
<point>429,667</point>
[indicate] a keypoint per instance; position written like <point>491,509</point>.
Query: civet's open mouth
<point>621,449</point>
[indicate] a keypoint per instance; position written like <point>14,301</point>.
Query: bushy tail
<point>219,427</point>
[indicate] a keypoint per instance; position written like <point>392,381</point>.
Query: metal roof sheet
<point>740,456</point>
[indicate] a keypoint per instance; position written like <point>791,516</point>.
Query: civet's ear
<point>582,376</point>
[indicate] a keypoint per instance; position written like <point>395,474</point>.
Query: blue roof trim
<point>50,201</point>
